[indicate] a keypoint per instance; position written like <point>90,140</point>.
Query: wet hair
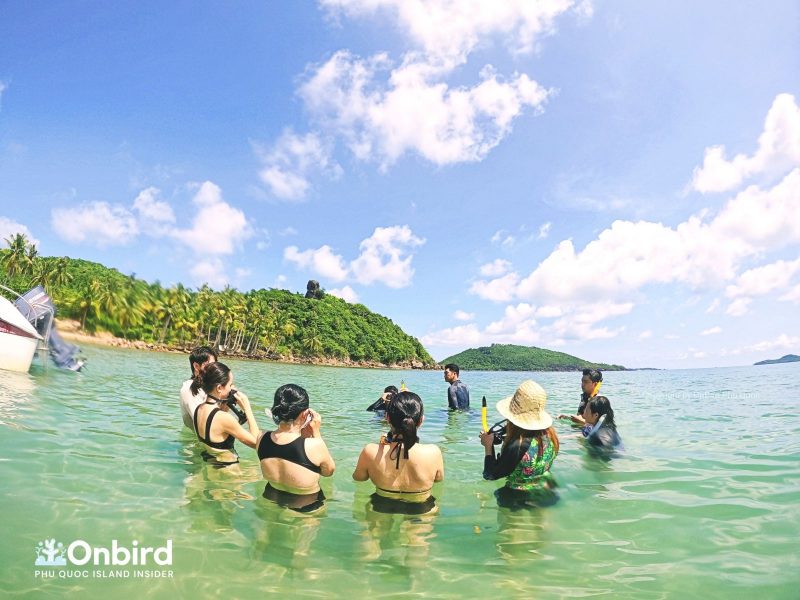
<point>452,367</point>
<point>515,432</point>
<point>600,405</point>
<point>200,355</point>
<point>290,400</point>
<point>390,388</point>
<point>593,374</point>
<point>210,376</point>
<point>404,413</point>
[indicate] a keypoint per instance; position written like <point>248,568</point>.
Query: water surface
<point>704,502</point>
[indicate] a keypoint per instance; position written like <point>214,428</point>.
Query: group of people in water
<point>294,456</point>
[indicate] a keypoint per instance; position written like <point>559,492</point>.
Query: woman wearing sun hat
<point>529,448</point>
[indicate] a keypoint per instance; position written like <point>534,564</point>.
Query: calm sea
<point>705,502</point>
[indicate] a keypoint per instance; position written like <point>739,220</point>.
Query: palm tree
<point>15,260</point>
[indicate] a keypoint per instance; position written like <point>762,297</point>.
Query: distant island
<point>783,359</point>
<point>510,357</point>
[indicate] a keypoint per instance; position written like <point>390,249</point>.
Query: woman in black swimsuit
<point>214,425</point>
<point>294,456</point>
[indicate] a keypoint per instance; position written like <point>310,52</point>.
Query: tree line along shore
<point>268,324</point>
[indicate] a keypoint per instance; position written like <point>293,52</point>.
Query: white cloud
<point>671,336</point>
<point>764,279</point>
<point>519,325</point>
<point>210,271</point>
<point>495,268</point>
<point>713,306</point>
<point>386,257</point>
<point>646,334</point>
<point>321,261</point>
<point>544,231</point>
<point>739,307</point>
<point>778,150</point>
<point>500,289</point>
<point>503,238</point>
<point>447,31</point>
<point>242,272</point>
<point>217,227</point>
<point>461,315</point>
<point>711,331</point>
<point>3,88</point>
<point>384,112</point>
<point>793,295</point>
<point>286,232</point>
<point>782,342</point>
<point>461,335</point>
<point>151,208</point>
<point>699,252</point>
<point>98,223</point>
<point>9,228</point>
<point>346,293</point>
<point>292,160</point>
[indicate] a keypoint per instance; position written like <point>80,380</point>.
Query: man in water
<point>457,393</point>
<point>200,356</point>
<point>590,384</point>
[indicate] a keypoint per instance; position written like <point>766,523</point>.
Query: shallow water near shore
<point>703,503</point>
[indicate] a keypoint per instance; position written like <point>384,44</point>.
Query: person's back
<point>413,475</point>
<point>402,470</point>
<point>294,456</point>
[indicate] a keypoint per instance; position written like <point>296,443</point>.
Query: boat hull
<point>16,351</point>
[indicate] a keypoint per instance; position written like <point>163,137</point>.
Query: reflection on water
<point>702,494</point>
<point>16,389</point>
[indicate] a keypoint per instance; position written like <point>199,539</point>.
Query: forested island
<point>264,324</point>
<point>510,357</point>
<point>783,359</point>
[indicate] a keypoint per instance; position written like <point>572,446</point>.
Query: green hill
<point>784,359</point>
<point>264,323</point>
<point>509,357</point>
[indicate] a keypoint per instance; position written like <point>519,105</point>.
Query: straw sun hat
<point>526,407</point>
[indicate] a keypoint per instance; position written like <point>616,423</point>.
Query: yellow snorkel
<point>484,422</point>
<point>403,385</point>
<point>596,388</point>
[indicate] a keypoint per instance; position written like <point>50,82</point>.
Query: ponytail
<point>405,414</point>
<point>210,376</point>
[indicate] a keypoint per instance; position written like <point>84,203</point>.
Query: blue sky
<point>620,181</point>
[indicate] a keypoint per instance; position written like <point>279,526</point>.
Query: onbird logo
<point>50,554</point>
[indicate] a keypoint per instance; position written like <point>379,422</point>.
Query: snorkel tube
<point>596,388</point>
<point>484,422</point>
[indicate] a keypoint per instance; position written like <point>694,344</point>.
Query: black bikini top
<point>226,444</point>
<point>294,451</point>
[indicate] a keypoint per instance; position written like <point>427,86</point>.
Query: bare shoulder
<point>370,449</point>
<point>431,450</point>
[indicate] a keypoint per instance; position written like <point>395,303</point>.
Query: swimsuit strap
<point>208,423</point>
<point>397,449</point>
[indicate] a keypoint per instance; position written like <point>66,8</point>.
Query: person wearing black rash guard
<point>601,430</point>
<point>212,417</point>
<point>380,404</point>
<point>294,456</point>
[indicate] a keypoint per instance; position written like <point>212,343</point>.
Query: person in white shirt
<point>200,356</point>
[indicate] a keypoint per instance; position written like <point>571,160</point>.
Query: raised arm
<point>231,424</point>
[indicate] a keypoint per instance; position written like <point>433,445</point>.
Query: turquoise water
<point>705,503</point>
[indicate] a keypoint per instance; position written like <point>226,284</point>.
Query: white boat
<point>19,340</point>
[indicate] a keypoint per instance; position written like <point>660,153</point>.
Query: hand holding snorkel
<point>491,435</point>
